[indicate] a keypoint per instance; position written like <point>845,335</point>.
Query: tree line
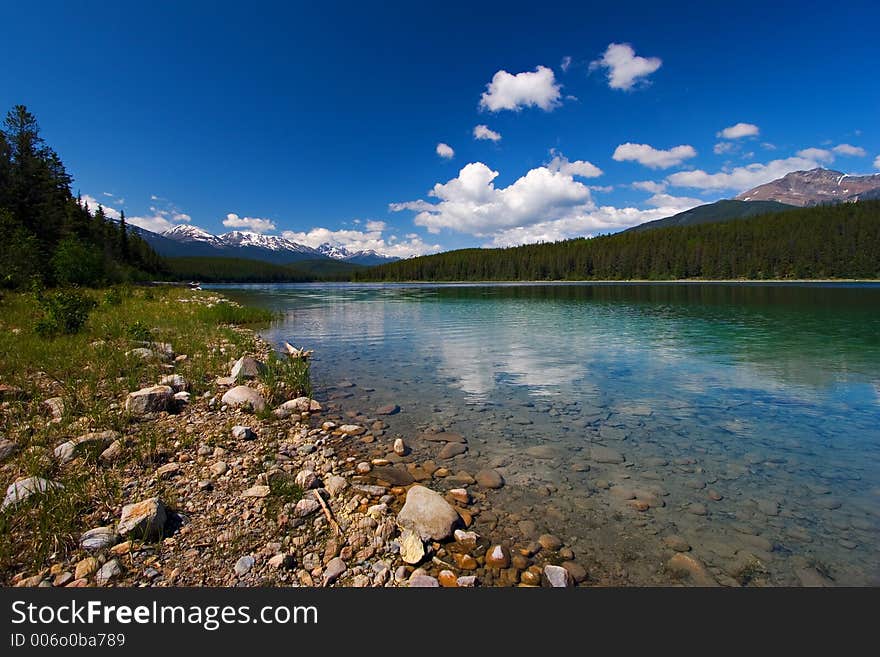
<point>50,237</point>
<point>830,241</point>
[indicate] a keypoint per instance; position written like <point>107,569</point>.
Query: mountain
<point>368,258</point>
<point>723,210</point>
<point>195,242</point>
<point>816,187</point>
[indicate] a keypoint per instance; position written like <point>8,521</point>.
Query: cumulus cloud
<point>624,67</point>
<point>579,168</point>
<point>252,224</point>
<point>470,203</point>
<point>536,88</point>
<point>817,154</point>
<point>849,149</point>
<point>723,147</point>
<point>650,186</point>
<point>483,132</point>
<point>877,162</point>
<point>739,131</point>
<point>445,151</point>
<point>365,240</point>
<point>653,157</point>
<point>741,178</point>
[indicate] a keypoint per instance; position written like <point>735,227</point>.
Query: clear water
<point>766,395</point>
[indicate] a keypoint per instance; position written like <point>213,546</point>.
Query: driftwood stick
<point>327,513</point>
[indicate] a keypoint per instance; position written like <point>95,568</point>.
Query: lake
<point>741,421</point>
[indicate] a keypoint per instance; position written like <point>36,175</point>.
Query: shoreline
<point>682,281</point>
<point>209,493</point>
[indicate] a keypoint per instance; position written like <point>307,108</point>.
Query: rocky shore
<point>238,493</point>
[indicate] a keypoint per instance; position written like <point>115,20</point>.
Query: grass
<point>90,371</point>
<point>286,378</point>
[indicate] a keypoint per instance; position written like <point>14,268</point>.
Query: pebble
<point>578,573</point>
<point>144,520</point>
<point>558,577</point>
<point>447,579</point>
<point>244,565</point>
<point>389,409</point>
<point>399,447</point>
<point>686,566</point>
<point>550,542</point>
<point>497,557</point>
<point>257,491</point>
<point>244,397</point>
<point>108,571</point>
<point>451,450</point>
<point>601,454</point>
<point>423,581</point>
<point>98,538</point>
<point>334,570</point>
<point>676,543</point>
<point>85,568</point>
<point>426,513</point>
<point>219,468</point>
<point>22,489</point>
<point>698,509</point>
<point>240,432</point>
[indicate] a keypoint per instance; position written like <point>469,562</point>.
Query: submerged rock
<point>489,479</point>
<point>686,566</point>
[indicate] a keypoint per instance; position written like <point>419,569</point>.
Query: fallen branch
<point>327,513</point>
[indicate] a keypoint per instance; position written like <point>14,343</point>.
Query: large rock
<point>247,368</point>
<point>296,406</point>
<point>427,514</point>
<point>22,489</point>
<point>242,396</point>
<point>149,400</point>
<point>98,441</point>
<point>143,520</point>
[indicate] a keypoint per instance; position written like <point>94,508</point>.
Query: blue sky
<point>323,121</point>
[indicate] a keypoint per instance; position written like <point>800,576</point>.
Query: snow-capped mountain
<point>333,251</point>
<point>368,257</point>
<point>192,241</point>
<point>239,239</point>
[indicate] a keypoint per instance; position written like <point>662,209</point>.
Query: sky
<point>413,129</point>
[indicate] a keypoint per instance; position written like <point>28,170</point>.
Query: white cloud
<point>849,149</point>
<point>445,151</point>
<point>650,186</point>
<point>483,132</point>
<point>739,130</point>
<point>470,203</point>
<point>877,162</point>
<point>652,157</point>
<point>723,147</point>
<point>677,203</point>
<point>585,224</point>
<point>252,224</point>
<point>624,67</point>
<point>741,178</point>
<point>579,168</point>
<point>370,239</point>
<point>536,88</point>
<point>817,154</point>
<point>565,64</point>
<point>157,221</point>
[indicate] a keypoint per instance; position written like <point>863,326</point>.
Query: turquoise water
<point>765,396</point>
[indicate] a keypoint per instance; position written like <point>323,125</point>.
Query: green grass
<point>286,378</point>
<point>92,374</point>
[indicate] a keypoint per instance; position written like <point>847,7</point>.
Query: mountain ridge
<point>815,187</point>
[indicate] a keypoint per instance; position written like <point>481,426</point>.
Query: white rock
<point>352,429</point>
<point>304,507</point>
<point>98,538</point>
<point>149,400</point>
<point>399,447</point>
<point>557,576</point>
<point>427,514</point>
<point>243,433</point>
<point>335,485</point>
<point>22,489</point>
<point>297,406</point>
<point>143,520</point>
<point>306,479</point>
<point>242,396</point>
<point>412,550</point>
<point>100,440</point>
<point>108,571</point>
